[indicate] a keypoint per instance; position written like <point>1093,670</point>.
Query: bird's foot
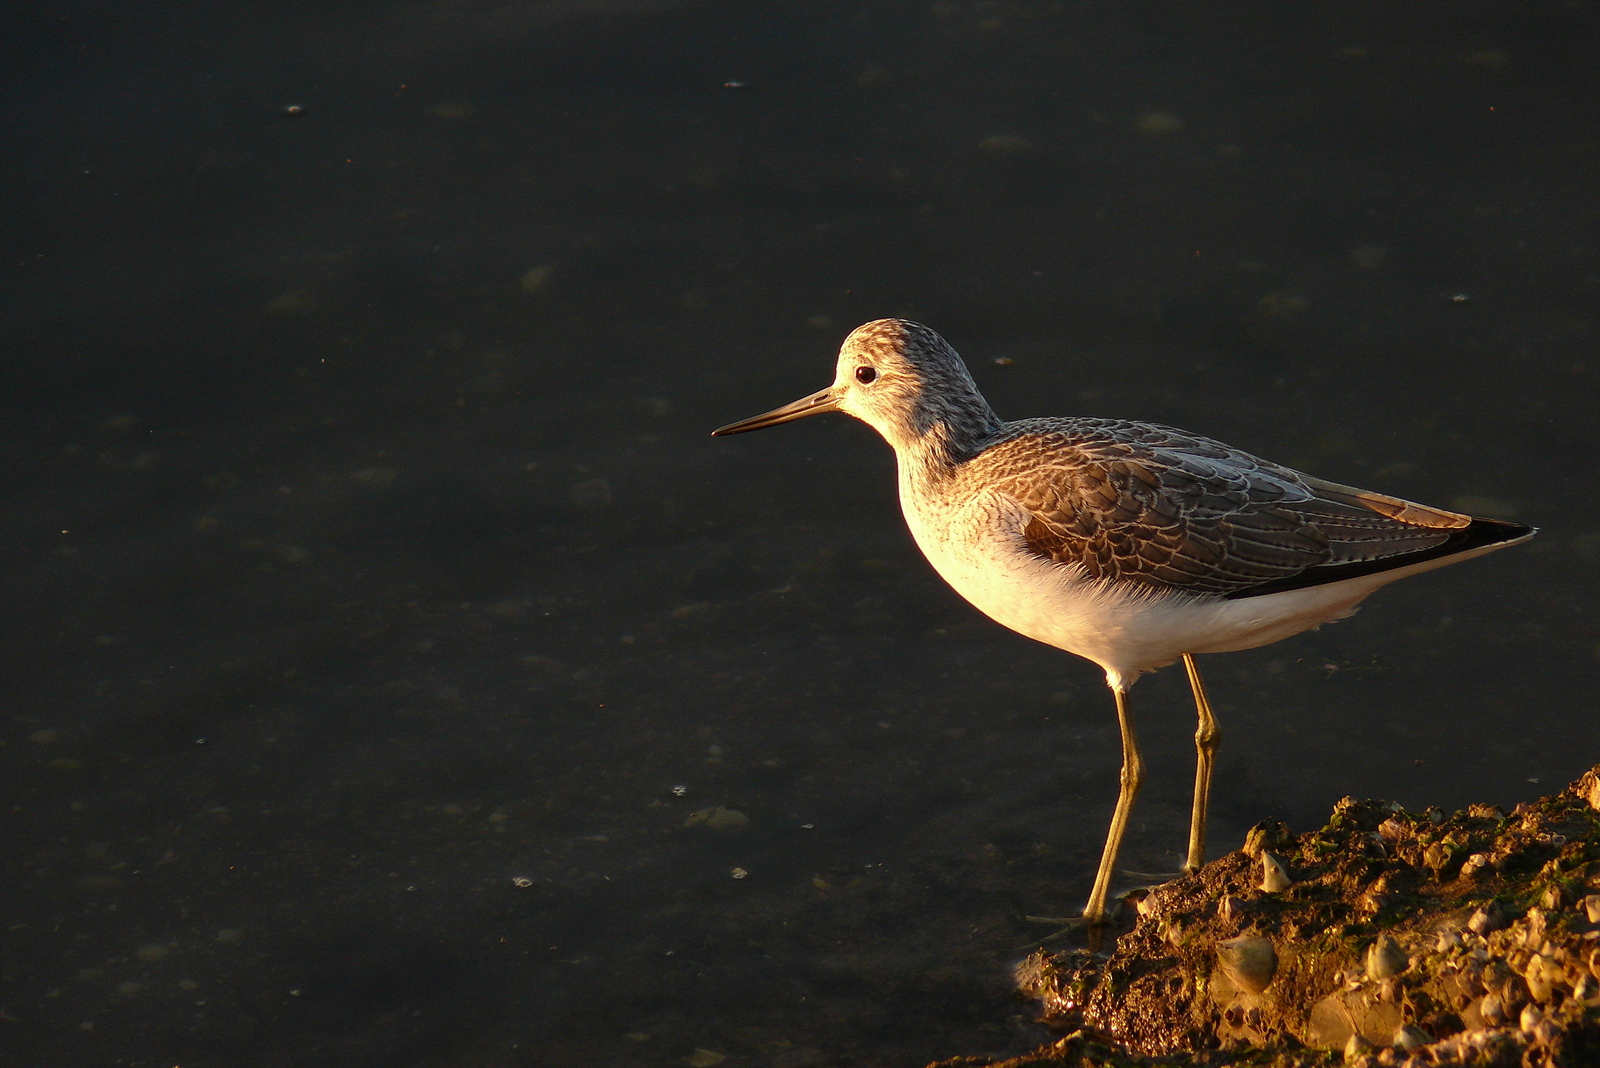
<point>1064,925</point>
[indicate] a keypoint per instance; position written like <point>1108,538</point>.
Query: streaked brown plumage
<point>1144,503</point>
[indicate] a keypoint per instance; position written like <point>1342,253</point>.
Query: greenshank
<point>1131,544</point>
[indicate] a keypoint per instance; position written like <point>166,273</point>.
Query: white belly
<point>1127,630</point>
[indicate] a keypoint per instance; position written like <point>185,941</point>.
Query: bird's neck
<point>944,444</point>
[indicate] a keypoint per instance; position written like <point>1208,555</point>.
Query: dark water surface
<point>378,613</point>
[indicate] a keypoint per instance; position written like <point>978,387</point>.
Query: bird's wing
<point>1142,503</point>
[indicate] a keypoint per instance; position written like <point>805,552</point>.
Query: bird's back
<point>1133,502</point>
<point>1132,543</point>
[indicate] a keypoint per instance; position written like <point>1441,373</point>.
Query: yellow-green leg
<point>1132,778</point>
<point>1206,737</point>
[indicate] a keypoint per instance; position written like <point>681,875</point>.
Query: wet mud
<point>1386,938</point>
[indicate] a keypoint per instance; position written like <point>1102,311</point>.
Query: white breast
<point>977,546</point>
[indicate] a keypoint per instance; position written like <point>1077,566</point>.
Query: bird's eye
<point>865,375</point>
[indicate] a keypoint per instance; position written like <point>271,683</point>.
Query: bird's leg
<point>1206,737</point>
<point>1132,778</point>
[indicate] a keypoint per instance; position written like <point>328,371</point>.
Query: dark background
<point>377,612</point>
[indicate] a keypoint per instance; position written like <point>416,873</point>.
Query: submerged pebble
<point>592,494</point>
<point>718,818</point>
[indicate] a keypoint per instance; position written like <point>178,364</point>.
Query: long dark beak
<point>816,404</point>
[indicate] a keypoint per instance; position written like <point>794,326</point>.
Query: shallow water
<point>380,615</point>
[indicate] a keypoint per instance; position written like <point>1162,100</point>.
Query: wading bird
<point>1131,544</point>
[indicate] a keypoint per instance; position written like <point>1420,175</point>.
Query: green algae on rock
<point>1401,939</point>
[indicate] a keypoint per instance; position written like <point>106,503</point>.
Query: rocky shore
<point>1387,939</point>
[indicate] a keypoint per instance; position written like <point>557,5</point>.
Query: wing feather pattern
<point>1150,505</point>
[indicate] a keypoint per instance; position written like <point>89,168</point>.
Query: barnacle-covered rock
<point>1469,939</point>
